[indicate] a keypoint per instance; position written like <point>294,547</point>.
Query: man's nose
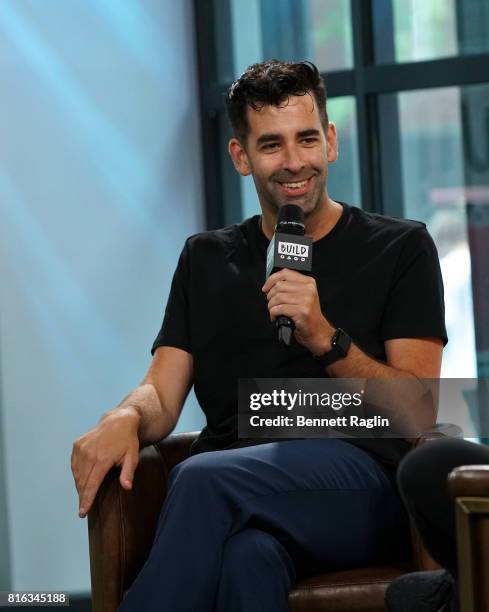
<point>293,161</point>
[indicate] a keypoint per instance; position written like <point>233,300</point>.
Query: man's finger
<point>285,287</point>
<point>81,472</point>
<point>284,274</point>
<point>83,478</point>
<point>293,311</point>
<point>76,478</point>
<point>129,464</point>
<point>76,465</point>
<point>91,487</point>
<point>81,465</point>
<point>288,299</point>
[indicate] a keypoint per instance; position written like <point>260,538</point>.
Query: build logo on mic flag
<point>289,251</point>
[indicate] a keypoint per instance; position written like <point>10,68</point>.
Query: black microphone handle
<point>290,220</point>
<point>285,329</point>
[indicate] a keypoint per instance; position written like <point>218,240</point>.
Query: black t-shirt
<point>378,278</point>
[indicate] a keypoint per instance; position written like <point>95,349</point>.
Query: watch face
<point>342,342</point>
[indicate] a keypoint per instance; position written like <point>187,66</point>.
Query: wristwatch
<point>340,345</point>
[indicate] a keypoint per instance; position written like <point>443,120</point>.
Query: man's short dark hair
<point>272,83</point>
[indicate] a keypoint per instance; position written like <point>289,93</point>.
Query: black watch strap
<point>340,345</point>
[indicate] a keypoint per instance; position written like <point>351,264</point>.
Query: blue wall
<point>100,183</point>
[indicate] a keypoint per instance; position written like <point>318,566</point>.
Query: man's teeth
<point>295,185</point>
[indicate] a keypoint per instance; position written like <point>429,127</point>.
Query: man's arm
<point>146,415</point>
<point>160,397</point>
<point>295,295</point>
<point>407,359</point>
<point>411,401</point>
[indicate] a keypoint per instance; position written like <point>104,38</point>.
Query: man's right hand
<point>113,442</point>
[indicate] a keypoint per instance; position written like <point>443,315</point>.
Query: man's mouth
<point>295,188</point>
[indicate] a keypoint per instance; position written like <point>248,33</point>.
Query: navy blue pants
<point>239,526</point>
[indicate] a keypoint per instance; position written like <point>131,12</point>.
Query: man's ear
<point>239,157</point>
<point>332,139</point>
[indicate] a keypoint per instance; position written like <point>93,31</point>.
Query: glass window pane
<point>344,179</point>
<point>292,30</point>
<point>344,174</point>
<point>249,199</point>
<point>445,183</point>
<point>430,30</point>
<point>330,24</point>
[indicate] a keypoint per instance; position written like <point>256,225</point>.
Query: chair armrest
<point>469,481</point>
<point>122,524</point>
<point>468,485</point>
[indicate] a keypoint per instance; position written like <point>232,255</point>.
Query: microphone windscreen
<point>290,220</point>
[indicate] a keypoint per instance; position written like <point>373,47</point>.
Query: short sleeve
<point>175,328</point>
<point>415,305</point>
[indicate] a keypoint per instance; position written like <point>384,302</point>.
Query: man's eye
<point>270,146</point>
<point>310,140</point>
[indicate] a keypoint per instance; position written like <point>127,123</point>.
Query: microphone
<point>289,248</point>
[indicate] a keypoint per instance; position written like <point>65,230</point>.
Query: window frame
<point>366,82</point>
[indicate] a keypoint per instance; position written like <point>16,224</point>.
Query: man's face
<point>287,153</point>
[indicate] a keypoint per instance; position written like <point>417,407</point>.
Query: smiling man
<point>286,146</point>
<point>244,518</point>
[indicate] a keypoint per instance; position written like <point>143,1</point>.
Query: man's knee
<point>200,470</point>
<point>428,466</point>
<point>254,550</point>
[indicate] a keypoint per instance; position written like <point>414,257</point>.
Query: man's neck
<point>317,225</point>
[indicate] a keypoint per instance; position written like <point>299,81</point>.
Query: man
<point>243,519</point>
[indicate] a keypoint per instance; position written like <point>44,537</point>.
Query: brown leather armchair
<point>121,528</point>
<point>469,487</point>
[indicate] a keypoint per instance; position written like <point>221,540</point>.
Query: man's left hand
<point>295,296</point>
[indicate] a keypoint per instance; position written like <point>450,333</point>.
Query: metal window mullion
<point>363,53</point>
<point>221,183</point>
